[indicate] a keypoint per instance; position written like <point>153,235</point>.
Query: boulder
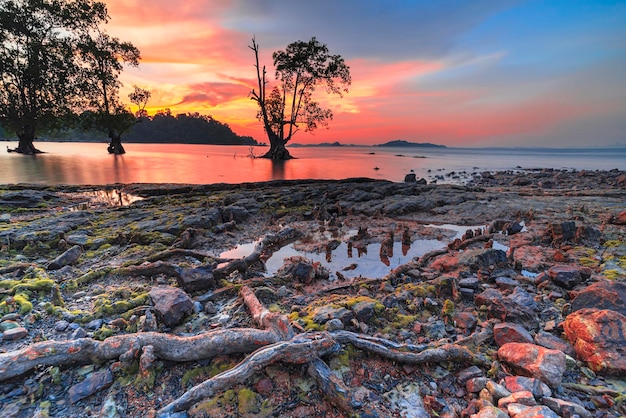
<point>68,258</point>
<point>513,308</point>
<point>171,304</point>
<point>522,383</point>
<point>510,333</point>
<point>196,279</point>
<point>620,218</point>
<point>599,339</point>
<point>90,385</point>
<point>534,361</point>
<point>561,232</point>
<point>565,408</point>
<point>548,340</point>
<point>565,276</point>
<point>536,412</point>
<point>410,178</point>
<point>602,295</point>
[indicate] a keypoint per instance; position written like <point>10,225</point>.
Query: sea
<point>74,163</point>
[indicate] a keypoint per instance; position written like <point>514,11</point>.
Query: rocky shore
<point>503,297</point>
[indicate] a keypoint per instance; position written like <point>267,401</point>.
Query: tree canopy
<point>299,70</point>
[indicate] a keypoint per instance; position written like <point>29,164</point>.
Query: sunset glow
<point>505,73</point>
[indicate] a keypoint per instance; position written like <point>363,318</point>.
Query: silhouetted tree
<point>298,70</point>
<point>140,97</point>
<point>103,57</point>
<point>38,64</point>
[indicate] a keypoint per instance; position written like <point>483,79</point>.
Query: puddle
<point>349,260</point>
<point>102,198</point>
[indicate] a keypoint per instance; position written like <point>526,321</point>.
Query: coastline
<point>524,271</point>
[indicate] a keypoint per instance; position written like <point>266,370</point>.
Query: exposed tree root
<point>274,343</point>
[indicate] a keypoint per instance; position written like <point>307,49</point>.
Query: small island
<point>403,143</point>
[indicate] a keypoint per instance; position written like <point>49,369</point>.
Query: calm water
<point>89,163</point>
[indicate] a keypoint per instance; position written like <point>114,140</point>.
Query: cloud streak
<point>467,73</point>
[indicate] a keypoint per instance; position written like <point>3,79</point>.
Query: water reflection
<point>102,198</point>
<point>278,169</point>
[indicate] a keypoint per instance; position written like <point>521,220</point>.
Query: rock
<point>517,308</point>
<point>235,213</point>
<point>476,384</point>
<point>565,408</point>
<point>364,310</point>
<point>171,304</point>
<point>487,260</point>
<point>497,391</point>
<point>324,314</point>
<point>522,383</point>
<point>510,333</point>
<point>524,397</point>
<point>90,385</point>
<point>491,412</point>
<point>469,373</point>
<point>536,412</point>
<point>14,334</point>
<point>535,361</point>
<point>61,326</point>
<point>410,178</point>
<point>602,295</point>
<point>506,283</point>
<point>599,339</point>
<point>620,218</point>
<point>466,321</point>
<point>68,258</point>
<point>334,324</point>
<point>302,269</point>
<point>565,276</point>
<point>196,279</point>
<point>94,325</point>
<point>561,232</point>
<point>210,308</point>
<point>78,333</point>
<point>548,340</point>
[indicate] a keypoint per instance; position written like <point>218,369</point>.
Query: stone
<point>14,334</point>
<point>466,321</point>
<point>509,309</point>
<point>324,314</point>
<point>364,310</point>
<point>235,213</point>
<point>476,384</point>
<point>334,325</point>
<point>435,330</point>
<point>486,260</point>
<point>522,383</point>
<point>545,339</point>
<point>599,339</point>
<point>61,326</point>
<point>196,279</point>
<point>491,412</point>
<point>534,361</point>
<point>497,391</point>
<point>604,294</point>
<point>565,408</point>
<point>90,385</point>
<point>510,333</point>
<point>620,218</point>
<point>506,283</point>
<point>524,397</point>
<point>565,276</point>
<point>561,232</point>
<point>171,305</point>
<point>410,178</point>
<point>68,258</point>
<point>537,412</point>
<point>469,373</point>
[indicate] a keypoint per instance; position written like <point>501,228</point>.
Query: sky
<point>468,73</point>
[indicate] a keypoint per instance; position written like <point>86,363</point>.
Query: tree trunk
<point>277,151</point>
<point>25,146</point>
<point>115,146</point>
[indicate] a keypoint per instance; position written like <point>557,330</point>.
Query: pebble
<point>15,334</point>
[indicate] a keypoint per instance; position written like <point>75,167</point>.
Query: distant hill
<point>402,143</point>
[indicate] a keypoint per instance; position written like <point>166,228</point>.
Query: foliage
<point>54,60</point>
<point>299,70</point>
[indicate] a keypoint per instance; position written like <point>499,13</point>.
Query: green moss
<point>247,402</point>
<point>403,321</point>
<point>614,243</point>
<point>55,375</point>
<point>306,321</point>
<point>588,262</point>
<point>448,308</point>
<point>23,302</point>
<point>103,333</point>
<point>612,274</point>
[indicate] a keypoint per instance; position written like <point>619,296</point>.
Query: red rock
<point>565,275</point>
<point>15,333</point>
<point>534,258</point>
<point>537,412</point>
<point>602,295</point>
<point>491,412</point>
<point>620,218</point>
<point>171,304</point>
<point>565,408</point>
<point>522,383</point>
<point>476,384</point>
<point>599,339</point>
<point>510,333</point>
<point>524,398</point>
<point>534,361</point>
<point>264,386</point>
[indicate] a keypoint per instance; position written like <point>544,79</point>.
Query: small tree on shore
<point>103,58</point>
<point>299,70</point>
